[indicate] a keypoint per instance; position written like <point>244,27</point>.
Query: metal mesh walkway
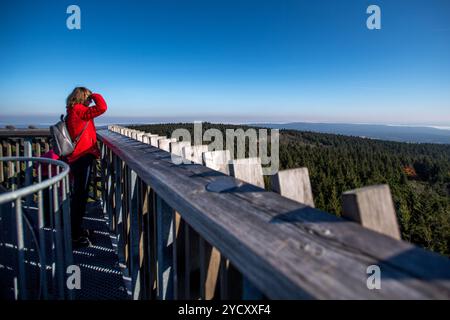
<point>101,277</point>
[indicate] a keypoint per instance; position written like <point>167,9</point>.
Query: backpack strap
<point>81,133</point>
<point>64,118</point>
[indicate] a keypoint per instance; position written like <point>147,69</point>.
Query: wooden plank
<point>294,184</point>
<point>10,165</point>
<point>217,160</point>
<point>165,239</point>
<point>177,248</point>
<point>209,271</point>
<point>194,153</point>
<point>231,281</point>
<point>38,148</point>
<point>2,164</point>
<point>154,140</point>
<point>152,246</point>
<point>164,144</point>
<point>134,232</point>
<point>24,133</point>
<point>176,147</point>
<point>144,252</point>
<point>248,170</point>
<point>187,263</point>
<point>288,250</point>
<point>191,263</point>
<point>373,208</point>
<point>119,213</point>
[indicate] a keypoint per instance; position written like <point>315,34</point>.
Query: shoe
<point>81,242</point>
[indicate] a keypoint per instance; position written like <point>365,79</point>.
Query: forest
<point>418,175</point>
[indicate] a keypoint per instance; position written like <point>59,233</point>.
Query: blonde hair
<point>78,95</point>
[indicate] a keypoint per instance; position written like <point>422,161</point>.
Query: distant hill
<point>381,132</point>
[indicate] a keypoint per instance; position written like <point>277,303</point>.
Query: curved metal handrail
<point>61,224</point>
<point>23,192</point>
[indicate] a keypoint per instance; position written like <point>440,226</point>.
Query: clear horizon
<point>46,120</point>
<point>251,61</point>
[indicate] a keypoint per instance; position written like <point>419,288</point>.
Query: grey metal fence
<point>35,237</point>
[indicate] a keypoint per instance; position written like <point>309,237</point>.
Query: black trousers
<point>80,170</point>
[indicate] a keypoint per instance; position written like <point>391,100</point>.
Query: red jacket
<point>77,116</point>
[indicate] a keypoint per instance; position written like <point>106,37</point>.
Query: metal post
<point>22,289</point>
<point>59,241</point>
<point>67,230</point>
<point>41,225</point>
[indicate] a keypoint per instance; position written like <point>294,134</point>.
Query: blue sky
<point>231,60</point>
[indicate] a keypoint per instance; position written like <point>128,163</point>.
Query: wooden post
<point>248,170</point>
<point>144,252</point>
<point>217,160</point>
<point>154,140</point>
<point>294,184</point>
<point>147,136</point>
<point>164,144</point>
<point>134,218</point>
<point>11,179</point>
<point>194,153</point>
<point>177,147</point>
<point>2,175</point>
<point>177,250</point>
<point>165,238</point>
<point>120,223</point>
<point>191,263</point>
<point>210,261</point>
<point>373,208</point>
<point>38,148</point>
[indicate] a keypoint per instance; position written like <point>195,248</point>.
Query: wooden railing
<point>21,142</point>
<point>187,232</point>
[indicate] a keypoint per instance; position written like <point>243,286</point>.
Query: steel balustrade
<point>41,221</point>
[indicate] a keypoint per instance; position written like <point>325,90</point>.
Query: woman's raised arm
<point>88,113</point>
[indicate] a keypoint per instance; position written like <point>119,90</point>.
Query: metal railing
<point>35,237</point>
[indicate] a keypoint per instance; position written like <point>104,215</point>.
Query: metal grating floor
<point>101,276</point>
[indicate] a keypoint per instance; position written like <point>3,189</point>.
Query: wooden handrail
<point>24,133</point>
<point>284,248</point>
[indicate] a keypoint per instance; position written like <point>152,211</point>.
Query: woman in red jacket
<point>80,123</point>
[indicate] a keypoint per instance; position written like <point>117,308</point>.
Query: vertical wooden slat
<point>165,238</point>
<point>119,213</point>
<point>294,184</point>
<point>2,174</point>
<point>209,270</point>
<point>154,246</point>
<point>17,167</point>
<point>187,262</point>
<point>38,148</point>
<point>10,176</point>
<point>191,263</point>
<point>248,170</point>
<point>134,231</point>
<point>224,265</point>
<point>217,160</point>
<point>373,208</point>
<point>176,247</point>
